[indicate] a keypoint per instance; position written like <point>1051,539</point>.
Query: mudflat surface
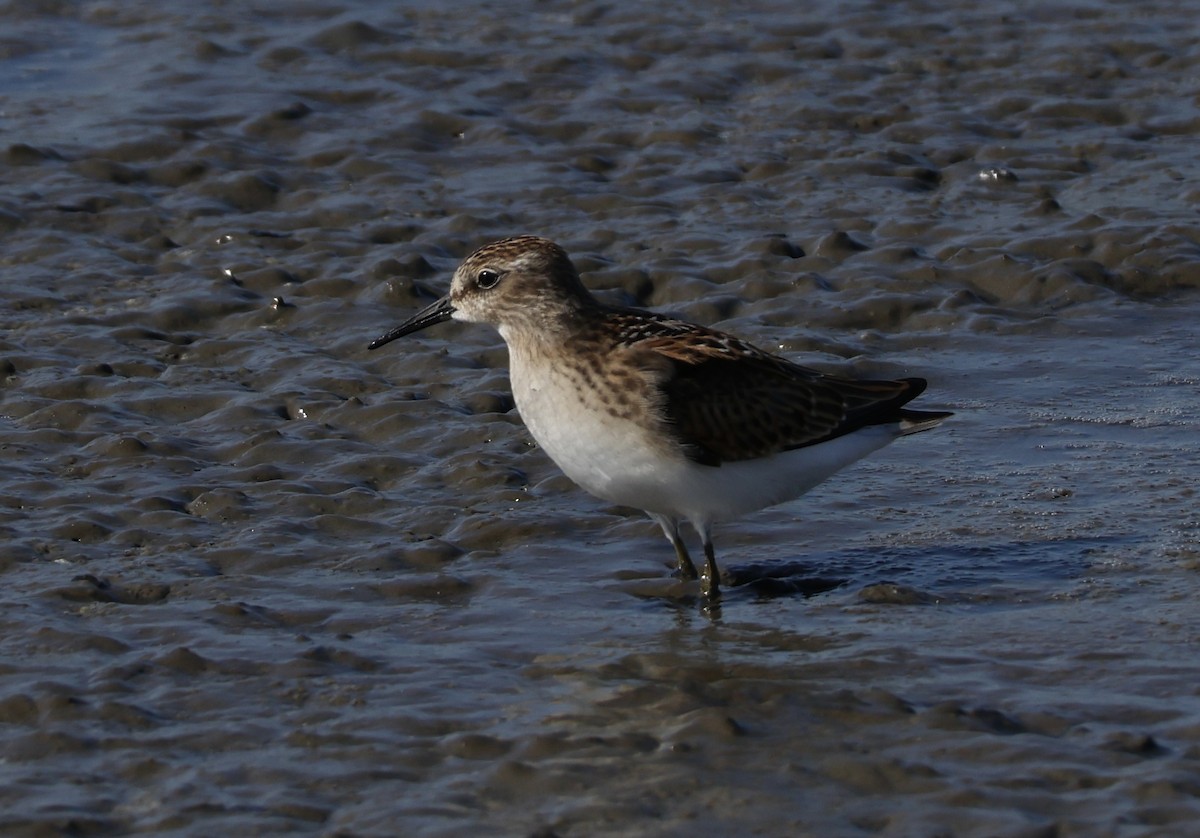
<point>257,580</point>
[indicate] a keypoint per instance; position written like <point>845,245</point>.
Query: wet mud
<point>257,580</point>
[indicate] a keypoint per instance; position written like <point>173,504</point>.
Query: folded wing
<point>727,400</point>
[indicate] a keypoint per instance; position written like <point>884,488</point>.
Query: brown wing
<point>728,400</point>
<point>727,410</point>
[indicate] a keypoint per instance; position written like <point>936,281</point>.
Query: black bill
<point>428,316</point>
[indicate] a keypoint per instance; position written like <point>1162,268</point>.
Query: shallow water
<point>257,580</point>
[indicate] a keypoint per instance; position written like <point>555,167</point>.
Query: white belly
<point>630,463</point>
<point>614,458</point>
<point>732,489</point>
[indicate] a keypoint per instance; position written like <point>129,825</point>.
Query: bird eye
<point>488,278</point>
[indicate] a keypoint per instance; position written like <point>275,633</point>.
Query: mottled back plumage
<point>728,400</point>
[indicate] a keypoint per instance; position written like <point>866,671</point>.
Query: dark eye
<point>488,278</point>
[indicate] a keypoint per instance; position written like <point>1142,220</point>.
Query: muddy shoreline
<point>257,580</point>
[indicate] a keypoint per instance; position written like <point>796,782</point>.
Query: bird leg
<point>710,579</point>
<point>683,563</point>
<point>684,566</point>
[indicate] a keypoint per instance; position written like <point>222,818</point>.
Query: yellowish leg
<point>684,566</point>
<point>670,528</point>
<point>710,579</point>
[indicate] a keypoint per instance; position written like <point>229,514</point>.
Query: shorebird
<point>643,410</point>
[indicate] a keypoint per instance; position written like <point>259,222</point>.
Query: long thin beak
<point>428,316</point>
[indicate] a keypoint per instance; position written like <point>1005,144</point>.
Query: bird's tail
<point>915,421</point>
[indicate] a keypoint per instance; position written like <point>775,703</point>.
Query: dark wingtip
<point>915,421</point>
<point>916,386</point>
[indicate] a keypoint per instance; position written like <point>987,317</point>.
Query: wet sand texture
<point>257,581</point>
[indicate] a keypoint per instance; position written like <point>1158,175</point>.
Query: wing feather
<point>727,400</point>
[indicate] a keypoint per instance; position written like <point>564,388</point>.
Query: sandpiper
<point>643,410</point>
